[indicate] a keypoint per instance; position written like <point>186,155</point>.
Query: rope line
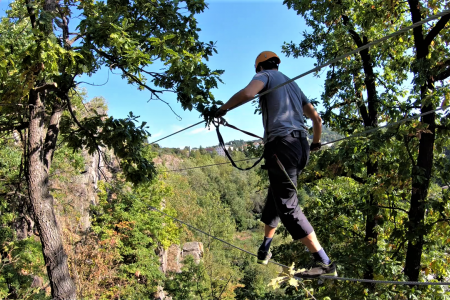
<point>212,236</point>
<point>338,140</point>
<point>218,164</point>
<point>284,266</point>
<point>403,30</point>
<point>388,125</point>
<point>385,281</point>
<point>177,132</point>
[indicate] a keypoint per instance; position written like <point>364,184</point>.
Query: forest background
<point>379,203</point>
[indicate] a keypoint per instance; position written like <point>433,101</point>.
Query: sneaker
<point>263,257</point>
<point>318,269</point>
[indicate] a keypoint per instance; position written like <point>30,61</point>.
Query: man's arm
<point>243,96</point>
<point>311,113</point>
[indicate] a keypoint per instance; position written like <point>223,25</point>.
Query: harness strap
<point>222,143</point>
<point>225,123</point>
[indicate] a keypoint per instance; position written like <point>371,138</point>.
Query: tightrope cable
<point>284,266</point>
<point>338,140</point>
<point>177,132</point>
<point>387,125</point>
<point>386,281</point>
<point>205,166</point>
<point>401,31</point>
<point>212,236</point>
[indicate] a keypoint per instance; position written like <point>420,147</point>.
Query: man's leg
<point>269,231</point>
<point>312,243</point>
<point>270,218</point>
<point>288,160</point>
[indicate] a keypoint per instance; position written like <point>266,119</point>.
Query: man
<point>286,154</point>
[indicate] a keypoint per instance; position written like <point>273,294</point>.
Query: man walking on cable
<point>286,154</point>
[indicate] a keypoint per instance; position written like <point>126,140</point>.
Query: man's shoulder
<point>276,73</point>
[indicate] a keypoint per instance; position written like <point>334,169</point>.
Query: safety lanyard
<point>222,121</point>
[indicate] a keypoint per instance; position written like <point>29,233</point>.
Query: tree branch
<point>413,162</point>
<point>131,76</point>
<point>440,220</point>
<point>74,39</point>
<point>18,127</point>
<point>436,29</point>
<point>396,208</point>
<point>136,80</point>
<point>443,75</point>
<point>31,13</point>
<point>45,87</point>
<point>357,179</point>
<point>355,36</point>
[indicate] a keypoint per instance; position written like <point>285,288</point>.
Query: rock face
<point>88,187</point>
<point>193,248</point>
<point>172,258</point>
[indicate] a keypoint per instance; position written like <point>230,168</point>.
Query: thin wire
<point>445,12</point>
<point>385,281</point>
<point>388,125</point>
<point>214,237</point>
<point>177,132</point>
<point>284,266</point>
<point>338,140</point>
<point>218,164</point>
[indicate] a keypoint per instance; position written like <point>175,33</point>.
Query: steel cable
<point>177,132</point>
<point>284,266</point>
<point>403,30</point>
<point>332,142</point>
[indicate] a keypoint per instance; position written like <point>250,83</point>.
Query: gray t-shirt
<point>282,109</point>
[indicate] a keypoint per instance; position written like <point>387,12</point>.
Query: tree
<point>431,65</point>
<point>364,90</point>
<point>354,86</point>
<point>42,56</point>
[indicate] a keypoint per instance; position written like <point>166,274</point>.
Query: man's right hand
<point>220,113</point>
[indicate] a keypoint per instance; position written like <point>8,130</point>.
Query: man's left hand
<point>315,147</point>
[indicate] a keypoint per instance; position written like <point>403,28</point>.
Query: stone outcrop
<point>171,260</point>
<point>174,259</point>
<point>194,249</point>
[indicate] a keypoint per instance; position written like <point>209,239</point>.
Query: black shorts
<point>285,158</point>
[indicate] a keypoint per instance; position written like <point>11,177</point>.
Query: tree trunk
<point>416,214</point>
<point>42,204</point>
<point>370,118</point>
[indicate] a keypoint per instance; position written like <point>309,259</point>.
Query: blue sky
<point>242,29</point>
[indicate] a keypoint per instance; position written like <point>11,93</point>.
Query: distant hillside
<point>328,135</point>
